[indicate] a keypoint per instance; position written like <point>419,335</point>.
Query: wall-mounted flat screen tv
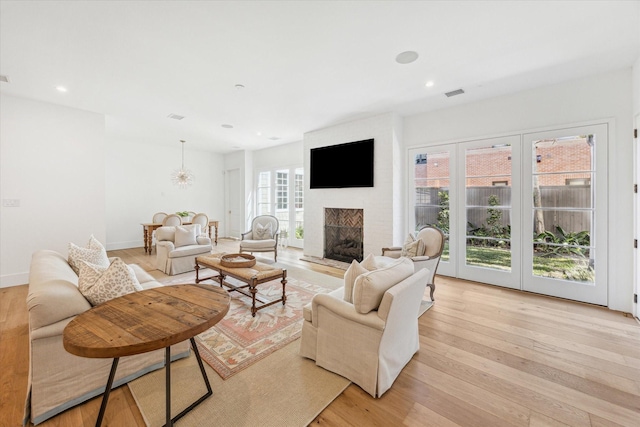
<point>343,165</point>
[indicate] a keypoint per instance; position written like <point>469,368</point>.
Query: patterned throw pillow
<point>354,270</point>
<point>99,284</point>
<point>415,248</point>
<point>264,232</point>
<point>185,236</point>
<point>94,253</point>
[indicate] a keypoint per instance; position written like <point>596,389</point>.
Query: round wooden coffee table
<point>145,321</point>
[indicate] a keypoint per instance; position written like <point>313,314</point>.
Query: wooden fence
<point>556,201</point>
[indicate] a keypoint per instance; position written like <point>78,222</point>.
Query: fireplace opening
<point>343,229</point>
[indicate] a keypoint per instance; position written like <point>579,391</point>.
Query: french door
<point>489,211</point>
<point>565,213</point>
<point>433,171</point>
<point>280,192</point>
<point>519,211</point>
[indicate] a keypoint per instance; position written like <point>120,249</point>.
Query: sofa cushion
<point>99,284</point>
<point>185,236</point>
<point>354,270</point>
<point>184,251</point>
<point>146,280</point>
<point>94,253</point>
<point>258,244</point>
<point>369,288</point>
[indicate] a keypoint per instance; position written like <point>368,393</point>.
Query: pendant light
<point>182,177</point>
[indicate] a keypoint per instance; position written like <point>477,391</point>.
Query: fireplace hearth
<point>343,234</point>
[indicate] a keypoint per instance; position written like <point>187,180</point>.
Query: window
<point>282,190</point>
<point>263,194</point>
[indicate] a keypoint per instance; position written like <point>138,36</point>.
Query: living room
<point>74,176</point>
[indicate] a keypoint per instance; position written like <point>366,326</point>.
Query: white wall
<point>138,184</point>
<point>593,98</point>
<point>380,205</point>
<point>286,156</point>
<point>52,160</point>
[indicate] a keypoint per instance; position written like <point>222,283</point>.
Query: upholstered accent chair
<point>371,339</point>
<point>432,242</point>
<point>178,246</point>
<point>172,220</point>
<point>262,237</point>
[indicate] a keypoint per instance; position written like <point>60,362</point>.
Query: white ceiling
<point>305,65</point>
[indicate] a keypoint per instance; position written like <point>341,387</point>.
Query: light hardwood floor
<point>489,357</point>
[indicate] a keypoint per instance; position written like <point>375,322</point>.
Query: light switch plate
<point>11,203</point>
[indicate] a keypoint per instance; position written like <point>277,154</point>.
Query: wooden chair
<point>172,219</point>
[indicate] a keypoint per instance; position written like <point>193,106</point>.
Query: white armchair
<point>433,240</point>
<point>178,246</point>
<point>370,340</point>
<point>263,236</point>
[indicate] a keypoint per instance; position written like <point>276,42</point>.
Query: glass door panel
<point>432,169</point>
<point>564,219</point>
<point>491,210</point>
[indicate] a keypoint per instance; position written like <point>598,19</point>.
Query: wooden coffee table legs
<point>251,283</point>
<point>167,364</point>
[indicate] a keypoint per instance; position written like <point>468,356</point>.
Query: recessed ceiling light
<point>429,84</point>
<point>226,126</point>
<point>406,57</point>
<point>175,116</point>
<point>259,133</point>
<point>239,87</point>
<point>4,79</point>
<point>274,138</point>
<point>61,88</point>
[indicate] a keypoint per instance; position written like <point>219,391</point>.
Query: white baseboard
<point>124,245</point>
<point>9,280</point>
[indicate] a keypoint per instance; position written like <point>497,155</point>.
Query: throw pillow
<point>354,270</point>
<point>264,232</point>
<point>370,287</point>
<point>185,236</point>
<point>99,284</point>
<point>412,249</point>
<point>94,253</point>
<point>369,262</point>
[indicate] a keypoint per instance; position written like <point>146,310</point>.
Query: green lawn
<point>557,267</point>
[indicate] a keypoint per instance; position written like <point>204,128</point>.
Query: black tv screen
<point>342,165</point>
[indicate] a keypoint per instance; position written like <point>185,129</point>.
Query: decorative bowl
<point>237,260</point>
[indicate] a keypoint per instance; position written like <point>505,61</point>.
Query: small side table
<point>127,325</point>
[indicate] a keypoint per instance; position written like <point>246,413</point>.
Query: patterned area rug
<point>240,340</point>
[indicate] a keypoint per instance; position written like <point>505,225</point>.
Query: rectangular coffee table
<point>251,276</point>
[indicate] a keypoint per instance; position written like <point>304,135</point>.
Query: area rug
<point>239,340</point>
<point>284,389</point>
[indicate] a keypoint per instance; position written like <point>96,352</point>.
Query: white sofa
<point>369,340</point>
<point>59,380</point>
<point>178,246</point>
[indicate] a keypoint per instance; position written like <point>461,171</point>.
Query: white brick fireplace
<point>382,204</point>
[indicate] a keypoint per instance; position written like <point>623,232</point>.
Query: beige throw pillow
<point>99,284</point>
<point>185,236</point>
<point>412,249</point>
<point>354,270</point>
<point>369,262</point>
<point>93,253</point>
<point>263,232</point>
<point>369,288</point>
